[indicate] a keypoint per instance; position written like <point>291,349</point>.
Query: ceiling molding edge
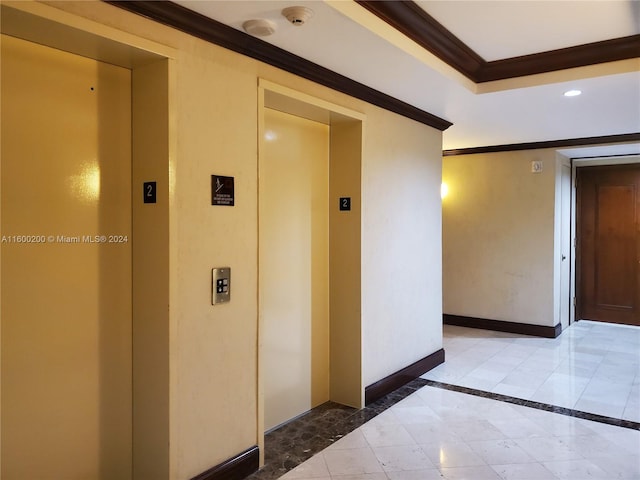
<point>200,26</point>
<point>407,17</point>
<point>570,142</point>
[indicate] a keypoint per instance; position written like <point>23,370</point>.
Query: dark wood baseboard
<point>502,326</point>
<point>236,468</point>
<point>396,380</point>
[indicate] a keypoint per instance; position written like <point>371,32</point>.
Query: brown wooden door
<point>609,243</point>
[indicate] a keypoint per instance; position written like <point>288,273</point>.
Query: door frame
<point>346,384</point>
<point>579,162</point>
<point>563,231</point>
<point>573,158</point>
<point>153,157</point>
<point>591,162</point>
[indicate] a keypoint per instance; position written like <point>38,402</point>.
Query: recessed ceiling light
<point>572,93</point>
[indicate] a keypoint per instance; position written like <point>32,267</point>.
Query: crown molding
<point>411,20</point>
<point>205,28</point>
<point>570,142</point>
<point>595,53</point>
<point>407,17</point>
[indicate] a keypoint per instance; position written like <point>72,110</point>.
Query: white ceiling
<point>347,39</point>
<point>512,28</point>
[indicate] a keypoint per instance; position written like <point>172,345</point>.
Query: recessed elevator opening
<point>309,257</point>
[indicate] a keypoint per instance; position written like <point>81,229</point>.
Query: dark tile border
<point>502,326</point>
<point>394,381</point>
<point>569,412</point>
<point>235,468</point>
<point>297,441</point>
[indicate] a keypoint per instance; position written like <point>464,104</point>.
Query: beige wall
<point>345,262</point>
<point>151,260</point>
<point>294,265</point>
<point>498,237</point>
<point>66,307</point>
<point>401,245</point>
<point>213,356</point>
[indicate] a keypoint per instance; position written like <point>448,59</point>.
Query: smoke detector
<point>298,16</point>
<point>259,27</point>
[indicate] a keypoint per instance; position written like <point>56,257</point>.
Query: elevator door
<point>66,266</point>
<point>294,265</point>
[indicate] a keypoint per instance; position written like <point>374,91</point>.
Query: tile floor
<point>438,431</point>
<point>592,367</point>
<point>436,434</point>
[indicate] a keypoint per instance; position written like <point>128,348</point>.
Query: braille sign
<point>222,192</point>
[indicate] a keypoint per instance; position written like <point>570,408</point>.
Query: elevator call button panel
<point>220,285</point>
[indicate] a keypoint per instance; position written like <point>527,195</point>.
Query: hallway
<point>455,432</point>
<point>591,367</point>
<point>438,433</point>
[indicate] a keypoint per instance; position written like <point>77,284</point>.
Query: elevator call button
<point>220,285</point>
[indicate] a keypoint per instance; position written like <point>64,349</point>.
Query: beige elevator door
<point>294,265</point>
<point>66,266</point>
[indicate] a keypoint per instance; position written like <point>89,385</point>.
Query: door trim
<point>345,357</point>
<point>576,164</point>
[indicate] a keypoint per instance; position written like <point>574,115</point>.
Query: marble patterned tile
<point>315,467</point>
<point>363,476</point>
<point>500,452</point>
<point>526,471</point>
<point>577,470</point>
<point>459,454</point>
<point>591,446</point>
<point>401,458</point>
<point>504,388</point>
<point>558,424</point>
<point>476,430</point>
<point>522,428</point>
<point>433,432</point>
<point>387,435</point>
<point>623,467</point>
<point>604,408</point>
<point>548,449</point>
<point>522,377</point>
<point>417,414</point>
<point>632,412</point>
<point>355,461</point>
<point>351,440</point>
<point>627,441</point>
<point>599,390</point>
<point>561,389</point>
<point>470,473</point>
<point>428,474</point>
